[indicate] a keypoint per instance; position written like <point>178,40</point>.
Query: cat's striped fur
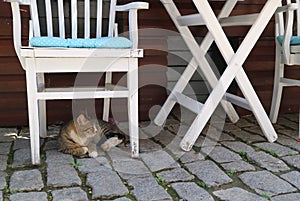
<point>81,136</point>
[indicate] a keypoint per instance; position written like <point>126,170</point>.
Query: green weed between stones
<point>265,195</point>
<point>202,184</point>
<point>75,164</point>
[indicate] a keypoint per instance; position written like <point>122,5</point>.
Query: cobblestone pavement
<point>233,163</point>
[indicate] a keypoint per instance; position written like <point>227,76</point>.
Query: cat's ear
<point>81,119</point>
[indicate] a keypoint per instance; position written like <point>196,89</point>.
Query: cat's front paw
<point>85,150</point>
<point>105,147</point>
<point>93,154</point>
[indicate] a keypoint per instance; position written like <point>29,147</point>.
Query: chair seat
<point>295,40</point>
<point>103,42</point>
<point>295,43</point>
<point>64,52</point>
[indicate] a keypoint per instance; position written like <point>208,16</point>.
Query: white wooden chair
<point>115,54</point>
<point>287,40</point>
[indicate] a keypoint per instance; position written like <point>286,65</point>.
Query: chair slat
<point>298,19</point>
<point>61,18</point>
<point>74,18</point>
<point>35,19</point>
<point>99,19</point>
<point>112,16</point>
<point>86,18</point>
<point>49,17</point>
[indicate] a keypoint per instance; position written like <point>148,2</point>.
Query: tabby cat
<point>81,136</point>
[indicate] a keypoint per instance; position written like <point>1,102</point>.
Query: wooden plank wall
<point>13,102</point>
<point>259,65</point>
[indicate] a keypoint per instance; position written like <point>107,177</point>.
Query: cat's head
<point>85,126</point>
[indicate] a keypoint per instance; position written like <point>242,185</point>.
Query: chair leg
<point>132,84</point>
<point>42,107</point>
<point>42,118</point>
<point>106,104</point>
<point>277,88</point>
<point>33,112</point>
<point>299,126</point>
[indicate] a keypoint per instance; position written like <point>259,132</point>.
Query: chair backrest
<point>77,10</point>
<point>280,30</point>
<point>297,16</point>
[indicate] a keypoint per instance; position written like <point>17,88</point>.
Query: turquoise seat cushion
<point>104,42</point>
<point>48,42</point>
<point>295,40</point>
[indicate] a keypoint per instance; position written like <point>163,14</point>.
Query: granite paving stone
<point>26,180</point>
<point>158,160</point>
<point>290,133</point>
<point>191,192</point>
<point>292,160</point>
<point>191,156</point>
<point>292,177</point>
<point>248,137</point>
<point>122,199</point>
<point>223,137</point>
<point>53,157</point>
<point>21,144</point>
<point>50,145</point>
<point>8,134</point>
<point>89,165</point>
<point>264,182</point>
<point>106,184</point>
<point>175,149</point>
<point>218,135</point>
<point>220,154</point>
<point>292,116</point>
<point>117,154</point>
<point>205,142</point>
<point>5,148</point>
<point>131,168</point>
<point>288,141</point>
<point>254,129</point>
<point>149,130</point>
<point>228,127</point>
<point>238,166</point>
<point>165,137</point>
<point>30,196</point>
<point>147,189</point>
<point>208,172</point>
<point>72,194</point>
<point>22,157</point>
<point>287,197</point>
<point>174,175</point>
<point>267,161</point>
<point>242,123</point>
<point>59,175</point>
<point>238,146</point>
<point>2,179</point>
<point>278,149</point>
<point>3,162</point>
<point>237,194</point>
<point>288,123</point>
<point>163,171</point>
<point>147,146</point>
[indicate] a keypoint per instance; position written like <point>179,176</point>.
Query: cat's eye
<point>91,129</point>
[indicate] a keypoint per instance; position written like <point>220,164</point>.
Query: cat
<point>81,136</point>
